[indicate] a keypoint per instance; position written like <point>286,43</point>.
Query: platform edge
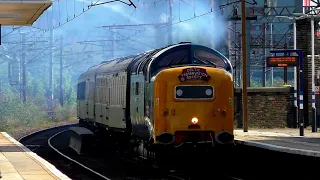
<point>42,161</point>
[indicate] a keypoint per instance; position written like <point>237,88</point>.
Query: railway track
<point>38,143</point>
<point>52,145</point>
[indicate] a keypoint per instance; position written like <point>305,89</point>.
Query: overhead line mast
<point>244,66</point>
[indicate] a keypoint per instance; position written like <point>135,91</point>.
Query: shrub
<point>14,113</point>
<point>65,113</point>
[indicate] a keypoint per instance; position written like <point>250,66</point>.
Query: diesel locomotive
<point>171,96</point>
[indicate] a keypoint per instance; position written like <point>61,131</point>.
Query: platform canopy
<point>22,12</point>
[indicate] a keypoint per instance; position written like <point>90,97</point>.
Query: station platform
<point>19,163</point>
<point>283,140</point>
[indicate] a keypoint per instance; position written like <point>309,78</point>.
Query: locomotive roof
<point>112,66</point>
<point>121,64</point>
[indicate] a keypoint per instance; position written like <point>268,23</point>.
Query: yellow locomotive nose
<point>194,120</point>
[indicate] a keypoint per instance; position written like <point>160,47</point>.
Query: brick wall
<point>268,107</point>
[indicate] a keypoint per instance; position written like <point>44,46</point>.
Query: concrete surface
<point>283,140</point>
<point>19,163</point>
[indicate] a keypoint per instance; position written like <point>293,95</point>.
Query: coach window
<point>205,57</point>
<point>176,57</point>
<point>81,89</point>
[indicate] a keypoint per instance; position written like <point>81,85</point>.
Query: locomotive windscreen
<point>81,90</point>
<point>194,92</point>
<point>208,58</point>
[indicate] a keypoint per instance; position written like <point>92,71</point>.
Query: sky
<point>192,21</point>
<point>146,12</point>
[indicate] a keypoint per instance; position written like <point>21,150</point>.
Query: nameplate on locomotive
<point>194,74</point>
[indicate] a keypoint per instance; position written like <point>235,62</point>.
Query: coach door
<point>87,98</point>
<point>90,97</point>
<point>81,96</point>
<point>98,99</point>
<point>137,104</point>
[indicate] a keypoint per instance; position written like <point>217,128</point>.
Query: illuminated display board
<point>283,61</point>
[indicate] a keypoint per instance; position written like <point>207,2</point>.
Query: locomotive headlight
<point>194,120</point>
<point>179,92</point>
<point>208,92</point>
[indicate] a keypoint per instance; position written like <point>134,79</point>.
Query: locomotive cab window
<point>194,92</point>
<point>81,90</point>
<point>205,57</point>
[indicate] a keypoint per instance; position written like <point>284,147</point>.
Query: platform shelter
<point>22,12</point>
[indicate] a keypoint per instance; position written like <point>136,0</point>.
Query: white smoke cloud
<point>164,18</point>
<point>186,26</point>
<point>202,30</point>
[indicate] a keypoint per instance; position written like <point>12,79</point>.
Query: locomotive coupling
<point>224,138</point>
<point>165,138</point>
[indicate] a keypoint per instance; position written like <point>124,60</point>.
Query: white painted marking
<point>67,157</point>
<point>177,177</point>
<point>301,106</point>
